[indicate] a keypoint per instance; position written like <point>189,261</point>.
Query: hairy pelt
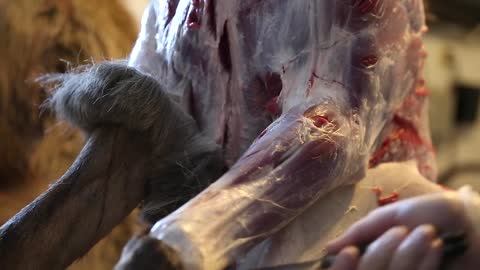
<point>40,37</point>
<point>182,161</point>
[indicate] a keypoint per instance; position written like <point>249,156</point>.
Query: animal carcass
<point>304,97</point>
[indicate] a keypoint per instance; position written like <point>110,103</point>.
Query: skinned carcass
<point>301,97</point>
<point>341,81</point>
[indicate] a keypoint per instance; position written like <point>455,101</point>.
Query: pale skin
<point>405,235</point>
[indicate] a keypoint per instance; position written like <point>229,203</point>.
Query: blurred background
<point>452,73</point>
<point>49,36</point>
<point>45,36</point>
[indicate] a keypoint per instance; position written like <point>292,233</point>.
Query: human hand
<point>406,235</point>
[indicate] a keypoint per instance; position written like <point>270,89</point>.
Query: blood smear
<point>389,199</point>
<point>381,201</point>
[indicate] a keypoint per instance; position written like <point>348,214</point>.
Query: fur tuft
<point>183,161</point>
<point>109,94</point>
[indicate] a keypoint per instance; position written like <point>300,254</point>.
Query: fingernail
<point>433,258</point>
<point>331,245</point>
<point>437,244</point>
<point>428,230</point>
<point>352,251</point>
<point>348,254</point>
<point>422,235</point>
<point>401,231</point>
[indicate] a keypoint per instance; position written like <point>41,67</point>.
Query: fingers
<point>443,210</point>
<point>347,259</point>
<point>380,253</point>
<point>434,256</point>
<point>367,229</point>
<point>397,249</point>
<point>411,213</point>
<point>411,253</point>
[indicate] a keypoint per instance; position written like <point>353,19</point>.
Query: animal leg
<point>140,144</point>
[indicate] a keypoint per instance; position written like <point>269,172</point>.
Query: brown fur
<point>35,36</point>
<point>35,149</point>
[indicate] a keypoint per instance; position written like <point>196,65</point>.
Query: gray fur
<point>112,93</point>
<point>183,162</point>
